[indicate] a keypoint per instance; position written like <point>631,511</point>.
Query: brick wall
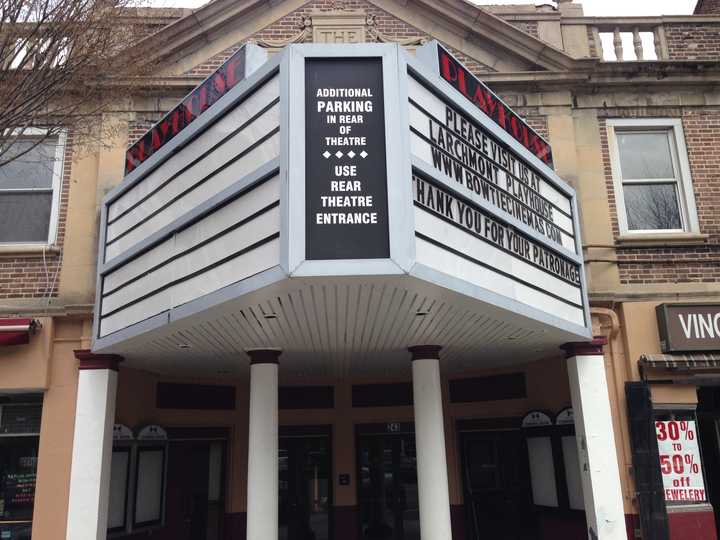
<point>37,276</point>
<point>693,41</point>
<point>681,264</point>
<point>290,25</point>
<point>708,7</point>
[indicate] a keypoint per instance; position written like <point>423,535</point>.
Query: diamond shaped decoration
<point>351,154</point>
<point>326,154</point>
<point>363,154</point>
<point>338,154</point>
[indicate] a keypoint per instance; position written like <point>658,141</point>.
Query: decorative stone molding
<point>340,25</point>
<point>300,37</point>
<point>376,35</point>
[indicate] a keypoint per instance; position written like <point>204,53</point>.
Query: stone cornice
<point>642,21</point>
<point>481,24</point>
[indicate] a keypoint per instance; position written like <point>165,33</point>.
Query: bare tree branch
<point>56,58</point>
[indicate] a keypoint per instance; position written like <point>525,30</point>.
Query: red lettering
<point>187,108</point>
<point>502,120</point>
<point>479,100</point>
<point>129,161</point>
<point>164,127</point>
<point>202,100</point>
<point>155,142</point>
<point>175,119</point>
<point>492,107</point>
<point>219,83</point>
<point>514,127</point>
<point>234,71</point>
<point>447,68</point>
<point>484,99</point>
<point>135,155</point>
<point>525,136</point>
<point>462,84</point>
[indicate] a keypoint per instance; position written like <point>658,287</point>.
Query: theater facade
<point>384,271</point>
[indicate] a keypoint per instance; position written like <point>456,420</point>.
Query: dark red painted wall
<point>692,525</point>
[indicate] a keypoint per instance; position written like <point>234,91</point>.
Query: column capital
<point>264,355</point>
<point>425,352</point>
<point>585,348</point>
<point>90,360</point>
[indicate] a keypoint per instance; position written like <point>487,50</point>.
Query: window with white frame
<point>30,189</point>
<point>651,173</point>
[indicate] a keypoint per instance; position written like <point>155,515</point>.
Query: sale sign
<point>680,461</point>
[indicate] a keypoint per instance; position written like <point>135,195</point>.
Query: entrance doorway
<point>708,415</point>
<point>305,487</point>
<point>387,482</point>
<point>496,484</point>
<point>194,504</point>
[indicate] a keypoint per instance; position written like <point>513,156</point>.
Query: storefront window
<point>19,438</point>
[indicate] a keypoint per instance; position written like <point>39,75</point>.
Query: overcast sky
<point>592,7</point>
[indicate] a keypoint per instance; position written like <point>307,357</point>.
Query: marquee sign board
<point>513,221</point>
<point>222,80</point>
<point>460,78</point>
<point>348,164</point>
<point>345,179</point>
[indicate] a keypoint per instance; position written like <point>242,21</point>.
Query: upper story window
<point>30,189</point>
<point>651,173</point>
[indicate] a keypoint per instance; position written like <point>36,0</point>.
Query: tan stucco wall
<point>96,170</point>
<point>47,364</point>
<point>25,367</point>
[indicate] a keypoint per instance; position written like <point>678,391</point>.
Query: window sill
<point>653,240</point>
<point>30,250</point>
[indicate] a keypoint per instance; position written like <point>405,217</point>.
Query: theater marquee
<point>340,176</point>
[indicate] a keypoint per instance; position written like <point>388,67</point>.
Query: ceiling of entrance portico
<point>339,327</point>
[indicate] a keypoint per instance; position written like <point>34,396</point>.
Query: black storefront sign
<point>689,327</point>
<point>346,200</point>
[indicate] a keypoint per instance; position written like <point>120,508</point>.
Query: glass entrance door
<point>194,503</point>
<point>387,486</point>
<point>305,497</point>
<point>496,482</point>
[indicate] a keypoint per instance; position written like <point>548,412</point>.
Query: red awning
<point>16,331</point>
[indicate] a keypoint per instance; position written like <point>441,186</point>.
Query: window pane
<point>572,473</point>
<point>31,170</point>
<point>652,206</point>
<point>645,155</point>
<point>542,471</point>
<point>25,217</point>
<point>118,488</point>
<point>148,490</point>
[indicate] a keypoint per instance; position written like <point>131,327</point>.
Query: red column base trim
<point>589,348</point>
<point>425,352</point>
<point>264,356</point>
<point>89,360</point>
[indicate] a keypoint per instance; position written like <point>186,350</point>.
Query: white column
<point>262,480</point>
<point>432,473</point>
<point>92,447</point>
<point>596,441</point>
